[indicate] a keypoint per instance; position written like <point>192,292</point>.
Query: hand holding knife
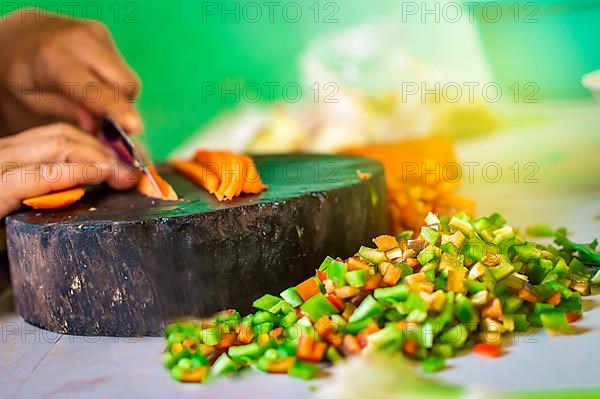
<point>114,135</point>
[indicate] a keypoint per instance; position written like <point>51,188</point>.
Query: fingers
<point>78,69</point>
<point>55,143</point>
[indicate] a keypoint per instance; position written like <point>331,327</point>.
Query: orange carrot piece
<point>197,173</point>
<point>554,299</point>
<point>276,333</point>
<point>245,334</point>
<point>227,340</point>
<point>354,263</point>
<point>146,187</point>
<point>373,282</point>
<point>488,350</point>
<point>306,346</point>
<point>335,301</point>
<point>281,366</point>
<point>392,275</point>
<point>263,338</point>
<point>318,352</point>
<point>385,242</point>
<point>308,288</point>
<point>56,200</point>
<point>528,296</point>
<point>196,375</point>
<point>410,347</point>
<point>346,292</point>
<point>493,311</point>
<point>350,345</point>
<point>252,181</point>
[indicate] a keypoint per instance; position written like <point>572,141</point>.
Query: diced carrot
<point>328,331</point>
<point>362,336</point>
<point>410,347</point>
<point>392,275</point>
<point>554,299</point>
<point>188,343</point>
<point>346,292</point>
<point>276,332</point>
<point>308,288</point>
<point>245,334</point>
<point>493,311</point>
<point>227,340</point>
<point>306,346</point>
<point>354,263</point>
<point>350,345</point>
<point>196,375</point>
<point>373,282</point>
<point>335,301</point>
<point>318,352</point>
<point>385,242</point>
<point>573,316</point>
<point>281,366</point>
<point>528,296</point>
<point>197,173</point>
<point>488,350</point>
<point>412,263</point>
<point>56,200</point>
<point>146,187</point>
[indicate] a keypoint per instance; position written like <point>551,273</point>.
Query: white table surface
<point>563,139</point>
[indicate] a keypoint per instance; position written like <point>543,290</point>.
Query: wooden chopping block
<point>134,264</point>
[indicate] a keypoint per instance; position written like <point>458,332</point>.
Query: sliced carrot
<point>306,346</point>
<point>346,292</point>
<point>528,296</point>
<point>252,181</point>
<point>493,311</point>
<point>245,334</point>
<point>410,347</point>
<point>327,330</point>
<point>56,200</point>
<point>362,336</point>
<point>281,366</point>
<point>488,350</point>
<point>385,242</point>
<point>373,282</point>
<point>146,187</point>
<point>350,345</point>
<point>392,275</point>
<point>196,375</point>
<point>308,288</point>
<point>354,263</point>
<point>318,352</point>
<point>227,340</point>
<point>198,173</point>
<point>276,333</point>
<point>554,299</point>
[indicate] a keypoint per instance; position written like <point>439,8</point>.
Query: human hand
<point>56,68</point>
<point>53,158</point>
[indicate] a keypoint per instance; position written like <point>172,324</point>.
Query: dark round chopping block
<point>134,264</point>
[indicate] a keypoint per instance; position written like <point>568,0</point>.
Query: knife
<point>114,135</point>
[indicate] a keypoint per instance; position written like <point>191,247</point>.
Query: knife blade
<point>114,135</point>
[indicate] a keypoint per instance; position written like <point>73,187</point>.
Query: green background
<point>179,47</point>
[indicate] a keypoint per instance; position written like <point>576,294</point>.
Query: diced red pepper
<point>573,316</point>
<point>335,301</point>
<point>410,347</point>
<point>488,350</point>
<point>321,275</point>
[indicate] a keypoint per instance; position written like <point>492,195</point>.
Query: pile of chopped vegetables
<point>461,283</point>
<point>424,181</point>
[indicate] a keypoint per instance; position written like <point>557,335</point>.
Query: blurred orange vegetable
<point>422,176</point>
